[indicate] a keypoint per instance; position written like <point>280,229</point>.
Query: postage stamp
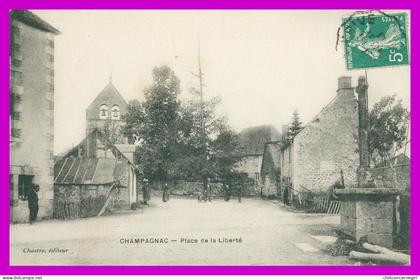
<point>375,40</point>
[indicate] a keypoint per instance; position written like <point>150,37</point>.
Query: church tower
<point>105,113</point>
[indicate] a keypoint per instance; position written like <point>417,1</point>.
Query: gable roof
<point>109,96</point>
<point>315,118</point>
<point>72,169</point>
<point>253,139</point>
<point>99,135</point>
<point>272,152</point>
<point>33,20</point>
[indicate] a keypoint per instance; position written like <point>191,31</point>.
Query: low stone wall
<point>187,188</point>
<point>80,201</point>
<point>384,177</point>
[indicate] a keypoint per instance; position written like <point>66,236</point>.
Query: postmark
<point>375,40</point>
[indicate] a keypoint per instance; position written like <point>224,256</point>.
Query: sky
<point>262,64</point>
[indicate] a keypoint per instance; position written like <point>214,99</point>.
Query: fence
<point>87,207</point>
<point>81,201</point>
<point>314,202</point>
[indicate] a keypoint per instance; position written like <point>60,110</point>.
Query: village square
<point>165,178</point>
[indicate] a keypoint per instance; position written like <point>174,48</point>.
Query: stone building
<point>397,177</point>
<point>270,169</point>
<point>31,112</point>
<point>313,161</point>
<point>252,141</point>
<point>92,174</point>
<point>105,113</point>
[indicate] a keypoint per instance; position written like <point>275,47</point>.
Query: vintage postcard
<point>209,137</point>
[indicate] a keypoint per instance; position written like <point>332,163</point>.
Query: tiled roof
<point>253,139</point>
<point>33,20</point>
<point>96,171</point>
<point>73,169</point>
<point>126,148</point>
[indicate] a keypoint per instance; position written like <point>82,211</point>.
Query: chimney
<point>91,144</point>
<point>344,84</point>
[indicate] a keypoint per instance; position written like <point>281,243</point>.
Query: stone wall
<point>384,177</point>
<point>32,116</point>
<point>370,219</point>
<point>251,164</point>
<point>186,188</point>
<point>327,145</point>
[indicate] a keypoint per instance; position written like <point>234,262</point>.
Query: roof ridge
<point>109,87</point>
<point>29,18</point>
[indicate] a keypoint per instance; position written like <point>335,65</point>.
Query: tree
<point>295,125</point>
<point>199,125</point>
<point>294,128</point>
<point>224,157</point>
<point>134,120</point>
<point>388,128</point>
<point>159,129</point>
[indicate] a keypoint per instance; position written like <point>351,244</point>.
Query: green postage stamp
<point>375,40</point>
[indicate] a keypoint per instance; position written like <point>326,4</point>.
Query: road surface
<point>254,232</point>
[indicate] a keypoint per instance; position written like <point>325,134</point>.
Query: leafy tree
<point>199,125</point>
<point>159,129</point>
<point>187,141</point>
<point>388,128</point>
<point>134,120</point>
<point>225,155</point>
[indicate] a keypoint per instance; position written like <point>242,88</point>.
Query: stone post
<point>361,90</point>
<point>363,176</point>
<point>366,211</point>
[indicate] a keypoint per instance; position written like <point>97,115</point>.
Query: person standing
<point>145,190</point>
<point>239,193</point>
<point>165,196</point>
<point>33,203</point>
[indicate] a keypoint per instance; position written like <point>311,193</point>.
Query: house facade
<point>92,175</point>
<point>271,169</point>
<point>252,141</point>
<point>325,147</point>
<point>31,112</point>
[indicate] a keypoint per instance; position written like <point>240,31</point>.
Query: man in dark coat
<point>145,191</point>
<point>165,195</point>
<point>33,203</point>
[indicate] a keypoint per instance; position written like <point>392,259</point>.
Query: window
<point>257,176</point>
<point>115,112</point>
<point>50,105</point>
<point>16,77</point>
<point>15,115</point>
<point>24,182</point>
<point>103,112</point>
<point>16,132</point>
<point>51,43</point>
<point>16,62</point>
<point>11,189</point>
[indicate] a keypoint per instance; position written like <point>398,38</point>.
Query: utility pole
<point>200,77</point>
<point>202,128</point>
